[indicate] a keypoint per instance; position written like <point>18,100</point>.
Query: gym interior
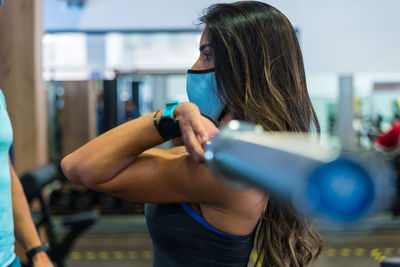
<point>73,69</point>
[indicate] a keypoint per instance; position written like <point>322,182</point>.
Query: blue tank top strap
<point>192,213</point>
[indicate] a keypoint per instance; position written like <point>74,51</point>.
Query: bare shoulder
<point>239,214</point>
<point>247,201</point>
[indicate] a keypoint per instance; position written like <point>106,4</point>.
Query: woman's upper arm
<point>159,176</point>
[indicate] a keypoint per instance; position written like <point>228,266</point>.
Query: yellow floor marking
<point>90,255</point>
<point>375,253</point>
<point>331,252</point>
<point>359,251</point>
<point>75,255</point>
<point>388,251</point>
<point>132,255</point>
<point>118,255</point>
<point>381,258</point>
<point>104,255</point>
<point>147,254</point>
<point>345,252</point>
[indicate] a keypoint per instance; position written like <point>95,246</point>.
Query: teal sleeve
<point>3,99</point>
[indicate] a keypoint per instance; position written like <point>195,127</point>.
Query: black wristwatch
<point>31,253</point>
<point>168,126</point>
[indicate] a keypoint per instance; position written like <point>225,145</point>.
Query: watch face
<point>169,128</point>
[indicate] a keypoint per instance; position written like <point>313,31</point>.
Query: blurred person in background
<point>389,140</point>
<point>131,111</point>
<point>250,68</point>
<point>15,217</point>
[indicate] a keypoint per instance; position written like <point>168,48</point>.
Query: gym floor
<point>124,241</point>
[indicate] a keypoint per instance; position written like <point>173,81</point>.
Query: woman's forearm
<point>105,156</point>
<point>24,228</point>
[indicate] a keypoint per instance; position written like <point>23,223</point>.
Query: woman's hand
<point>178,141</point>
<point>42,260</point>
<point>195,128</point>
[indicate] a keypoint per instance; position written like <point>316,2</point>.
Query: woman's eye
<point>208,55</point>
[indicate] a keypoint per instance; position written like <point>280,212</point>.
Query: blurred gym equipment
<point>391,262</point>
<point>74,225</point>
<point>323,182</point>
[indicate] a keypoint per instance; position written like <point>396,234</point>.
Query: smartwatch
<point>44,247</point>
<point>168,126</point>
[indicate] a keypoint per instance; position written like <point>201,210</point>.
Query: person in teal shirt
<point>15,218</point>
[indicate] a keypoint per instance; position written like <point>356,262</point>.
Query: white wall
<point>347,35</point>
<point>125,14</point>
<point>342,36</point>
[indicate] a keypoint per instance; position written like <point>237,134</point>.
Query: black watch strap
<point>32,252</point>
<point>169,128</point>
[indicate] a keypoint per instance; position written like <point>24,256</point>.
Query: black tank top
<point>181,237</point>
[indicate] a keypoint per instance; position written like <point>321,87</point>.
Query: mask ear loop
<point>223,114</point>
<point>220,117</point>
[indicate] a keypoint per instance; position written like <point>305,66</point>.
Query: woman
<point>250,68</point>
<point>15,217</point>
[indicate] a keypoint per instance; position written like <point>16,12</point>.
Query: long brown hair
<point>260,76</point>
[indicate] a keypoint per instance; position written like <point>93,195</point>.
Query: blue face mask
<point>201,88</point>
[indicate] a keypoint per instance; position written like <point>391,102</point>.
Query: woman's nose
<point>198,65</point>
